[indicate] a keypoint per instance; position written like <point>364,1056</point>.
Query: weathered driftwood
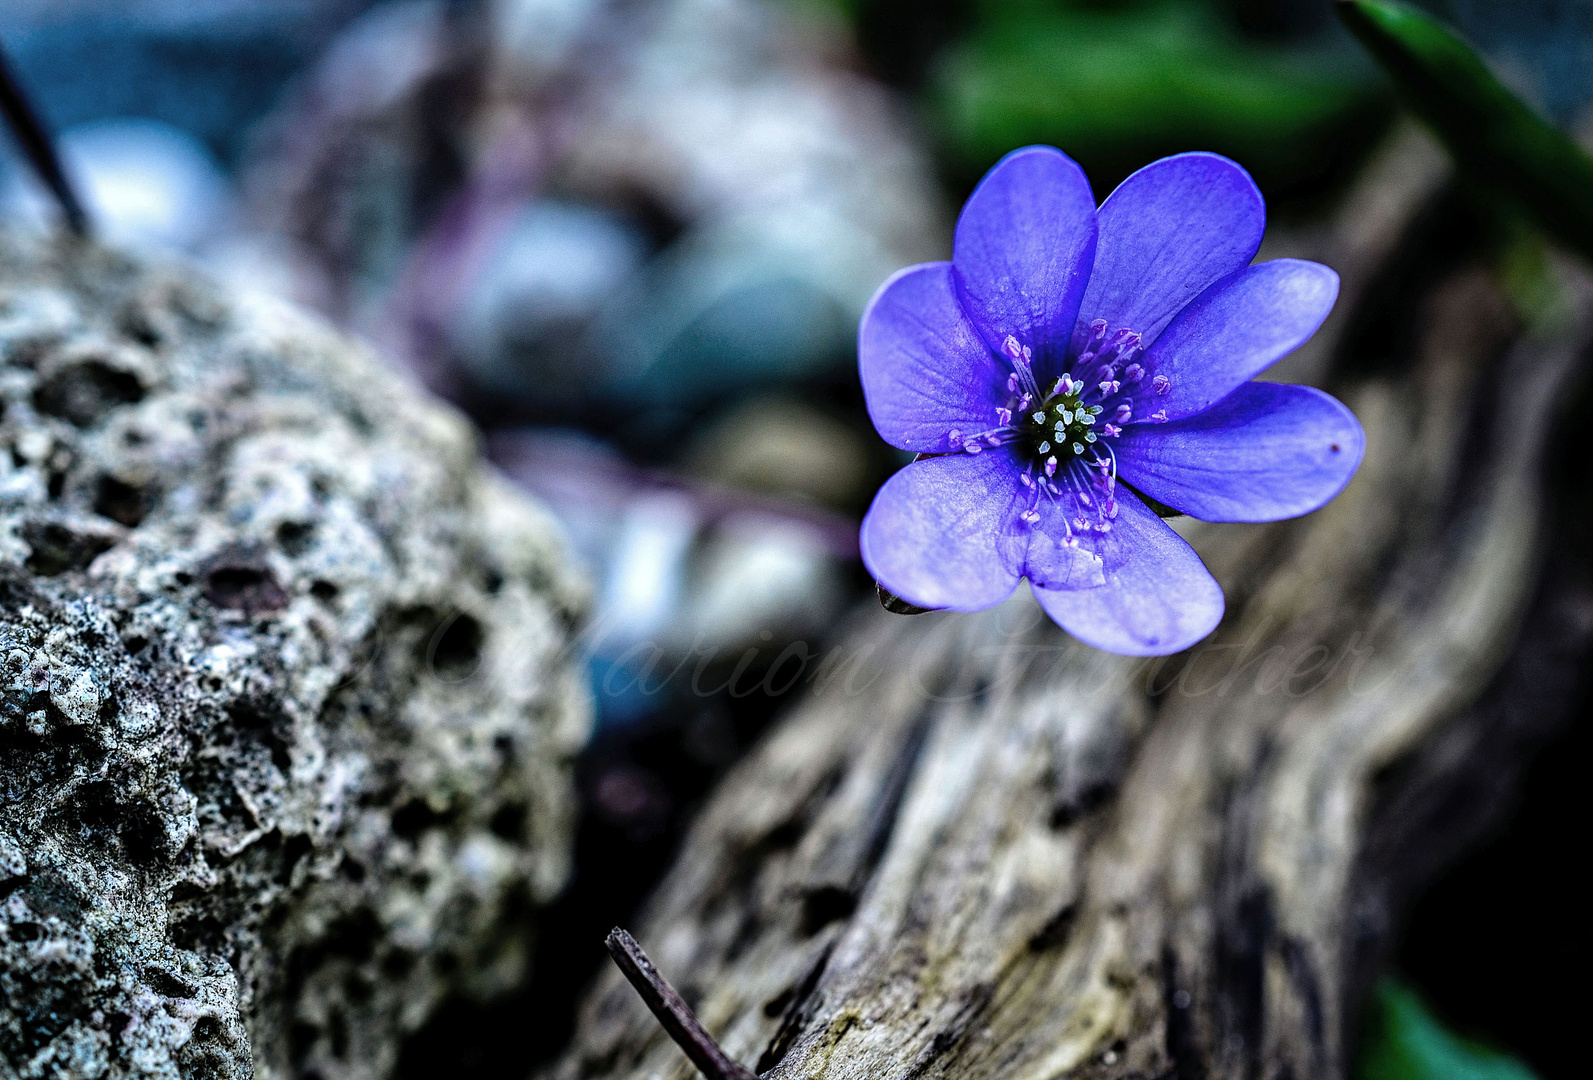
<point>980,850</point>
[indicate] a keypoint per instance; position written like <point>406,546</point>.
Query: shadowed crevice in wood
<point>795,1008</point>
<point>887,806</point>
<point>1183,1050</point>
<point>1054,934</point>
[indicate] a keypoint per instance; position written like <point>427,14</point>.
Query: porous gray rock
<point>289,701</point>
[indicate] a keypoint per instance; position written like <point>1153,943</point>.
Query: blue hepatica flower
<point>1067,354</point>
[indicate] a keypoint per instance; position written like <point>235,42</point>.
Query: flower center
<point>1060,424</point>
<point>1063,434</point>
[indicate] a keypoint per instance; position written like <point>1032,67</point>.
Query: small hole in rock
<point>508,822</point>
<point>357,988</point>
<point>413,818</point>
<point>136,325</point>
<point>166,984</point>
<point>295,537</point>
<point>240,581</point>
<point>397,964</point>
<point>54,549</point>
<point>297,847</point>
<point>454,651</point>
<point>84,392</point>
<point>301,1038</point>
<point>338,1030</point>
<point>120,501</point>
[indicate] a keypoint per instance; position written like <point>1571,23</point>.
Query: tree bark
<point>979,849</point>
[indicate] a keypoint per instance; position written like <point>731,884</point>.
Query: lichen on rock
<point>288,699</point>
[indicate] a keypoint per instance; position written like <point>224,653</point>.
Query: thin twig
<point>672,1012</point>
<point>35,140</point>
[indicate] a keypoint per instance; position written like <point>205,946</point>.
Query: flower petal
<point>1061,548</point>
<point>1166,233</point>
<point>1158,597</point>
<point>938,534</point>
<point>1023,250</point>
<point>926,371</point>
<point>1265,452</point>
<point>1233,331</point>
<point>1052,562</point>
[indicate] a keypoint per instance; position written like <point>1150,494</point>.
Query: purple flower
<point>1065,349</point>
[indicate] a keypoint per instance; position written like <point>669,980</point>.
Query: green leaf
<point>1405,1042</point>
<point>1496,139</point>
<point>1115,84</point>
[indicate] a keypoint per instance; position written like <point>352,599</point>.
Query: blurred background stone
<point>146,184</point>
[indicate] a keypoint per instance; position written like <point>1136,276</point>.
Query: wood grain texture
<point>978,849</point>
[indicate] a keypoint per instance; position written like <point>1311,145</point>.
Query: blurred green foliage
<point>1498,142</point>
<point>1117,85</point>
<point>1403,1041</point>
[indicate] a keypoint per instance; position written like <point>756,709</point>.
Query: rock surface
<point>288,699</point>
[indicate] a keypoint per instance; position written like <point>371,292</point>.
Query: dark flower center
<point>1063,434</point>
<point>1061,425</point>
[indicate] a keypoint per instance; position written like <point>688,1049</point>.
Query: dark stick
<point>672,1011</point>
<point>35,140</point>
